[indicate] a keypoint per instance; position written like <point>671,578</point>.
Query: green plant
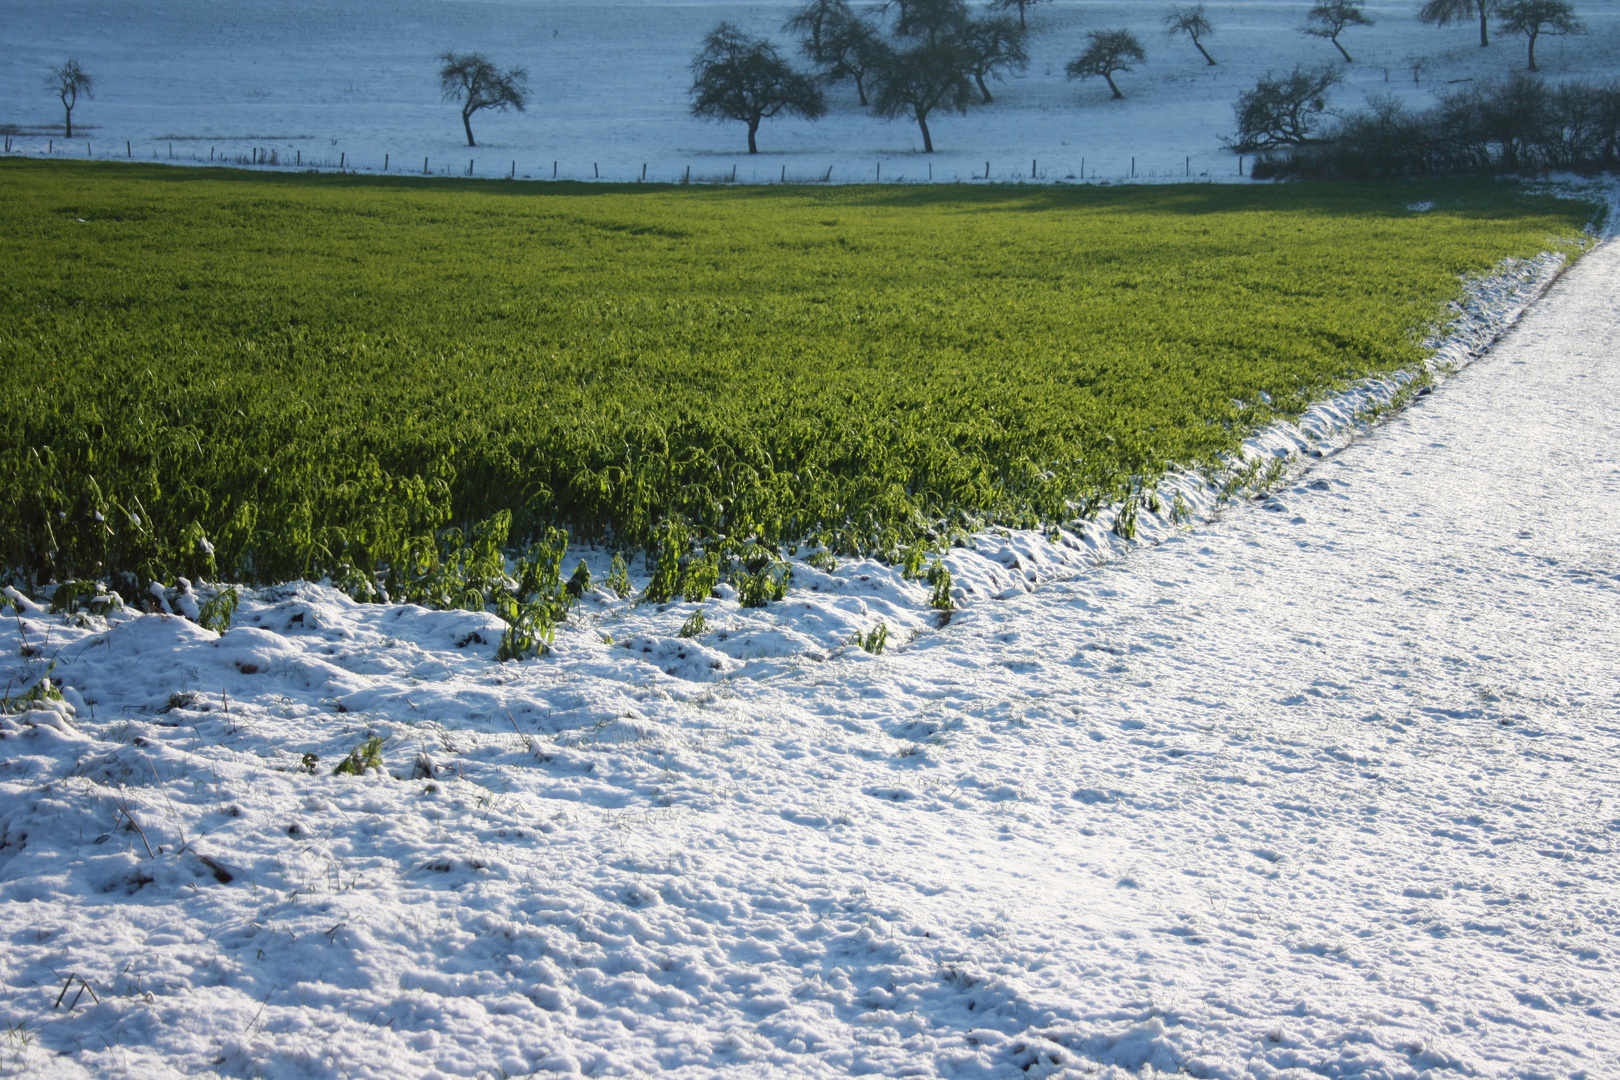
<point>76,595</point>
<point>575,360</point>
<point>823,560</point>
<point>368,755</point>
<point>874,641</point>
<point>216,612</point>
<point>758,589</point>
<point>180,699</point>
<point>42,691</point>
<point>673,544</point>
<point>580,581</point>
<point>1124,525</point>
<point>940,579</point>
<point>530,628</point>
<point>311,761</point>
<point>699,578</point>
<point>694,625</point>
<point>618,579</point>
<point>913,561</point>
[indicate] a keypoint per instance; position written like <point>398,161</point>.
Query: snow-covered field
<point>1323,787</point>
<point>354,80</point>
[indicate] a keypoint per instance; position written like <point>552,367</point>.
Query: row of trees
<point>935,55</point>
<point>913,58</point>
<point>1532,18</point>
<point>932,55</point>
<point>1519,123</point>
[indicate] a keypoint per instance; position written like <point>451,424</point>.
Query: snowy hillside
<point>354,81</point>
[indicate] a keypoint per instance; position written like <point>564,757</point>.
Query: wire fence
<point>844,170</point>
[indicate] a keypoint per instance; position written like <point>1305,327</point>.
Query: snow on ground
<point>354,80</point>
<point>1322,788</point>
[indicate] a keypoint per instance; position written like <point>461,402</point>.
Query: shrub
<point>1283,111</point>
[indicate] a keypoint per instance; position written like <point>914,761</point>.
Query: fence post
<point>1189,164</point>
<point>987,170</point>
<point>597,169</point>
<point>424,167</point>
<point>1032,168</point>
<point>342,157</point>
<point>129,151</point>
<point>87,152</point>
<point>514,172</point>
<point>554,170</point>
<point>880,172</point>
<point>1133,166</point>
<point>385,163</point>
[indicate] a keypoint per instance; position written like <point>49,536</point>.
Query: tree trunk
<point>1533,52</point>
<point>922,122</point>
<point>1347,57</point>
<point>1201,49</point>
<point>753,126</point>
<point>1021,24</point>
<point>1484,33</point>
<point>983,89</point>
<point>860,88</point>
<point>466,122</point>
<point>1110,77</point>
<point>69,123</point>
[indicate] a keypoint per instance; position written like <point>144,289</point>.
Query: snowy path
<point>1326,788</point>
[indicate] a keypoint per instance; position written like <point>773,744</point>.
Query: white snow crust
<point>345,82</point>
<point>1322,787</point>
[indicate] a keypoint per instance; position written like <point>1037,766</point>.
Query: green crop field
<point>311,374</point>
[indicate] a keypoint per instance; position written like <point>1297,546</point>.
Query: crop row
<point>257,378</point>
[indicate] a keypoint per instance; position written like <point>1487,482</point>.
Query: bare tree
<point>854,51</point>
<point>736,77</point>
<point>934,20</point>
<point>815,24</point>
<point>69,81</point>
<point>1534,18</point>
<point>474,82</point>
<point>994,45</point>
<point>917,81</point>
<point>1283,111</point>
<point>1109,51</point>
<point>1446,12</point>
<point>1330,18</point>
<point>1194,23</point>
<point>1003,5</point>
